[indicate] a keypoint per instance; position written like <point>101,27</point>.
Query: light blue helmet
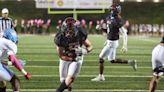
<point>10,34</point>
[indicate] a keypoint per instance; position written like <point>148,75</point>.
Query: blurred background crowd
<point>41,26</point>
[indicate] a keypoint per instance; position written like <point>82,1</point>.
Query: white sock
<point>100,75</point>
<point>23,71</point>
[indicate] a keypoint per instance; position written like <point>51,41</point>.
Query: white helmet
<point>5,10</point>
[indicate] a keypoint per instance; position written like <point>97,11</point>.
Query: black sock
<point>120,61</point>
<point>3,89</point>
<point>62,87</point>
<point>69,89</point>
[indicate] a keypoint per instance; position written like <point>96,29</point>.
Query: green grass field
<point>42,63</point>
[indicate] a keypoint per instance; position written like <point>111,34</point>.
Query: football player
<point>157,65</point>
<point>114,26</point>
<point>8,49</point>
<point>69,43</point>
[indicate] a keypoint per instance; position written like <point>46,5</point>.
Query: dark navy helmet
<point>68,24</point>
<point>69,27</point>
<point>115,9</point>
<point>10,34</point>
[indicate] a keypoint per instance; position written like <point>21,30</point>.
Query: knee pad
<point>158,69</point>
<point>101,60</point>
<point>2,84</point>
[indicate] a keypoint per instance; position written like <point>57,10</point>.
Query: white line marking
<point>121,76</point>
<point>87,90</point>
<point>36,66</point>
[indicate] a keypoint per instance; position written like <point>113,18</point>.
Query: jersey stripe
<point>5,24</point>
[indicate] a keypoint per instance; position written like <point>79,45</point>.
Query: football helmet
<point>10,34</point>
<point>115,9</point>
<point>68,24</point>
<point>68,27</point>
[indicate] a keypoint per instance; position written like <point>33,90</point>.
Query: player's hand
<point>28,76</point>
<point>78,58</point>
<point>81,51</point>
<point>124,49</point>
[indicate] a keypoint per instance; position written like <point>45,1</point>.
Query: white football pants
<point>109,50</point>
<point>69,68</point>
<point>158,58</point>
<point>5,73</point>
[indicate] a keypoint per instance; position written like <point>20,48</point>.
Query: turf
<point>42,63</point>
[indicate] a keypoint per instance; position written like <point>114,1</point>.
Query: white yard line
<point>121,76</point>
<point>87,90</point>
<point>56,60</point>
<point>37,66</point>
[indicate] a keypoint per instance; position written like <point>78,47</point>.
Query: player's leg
<point>15,82</point>
<point>112,56</point>
<point>8,75</point>
<point>2,86</point>
<point>63,71</point>
<point>73,71</point>
<point>153,83</point>
<point>157,66</point>
<point>104,53</point>
<point>158,71</point>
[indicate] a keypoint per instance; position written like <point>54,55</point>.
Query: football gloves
<point>124,49</point>
<point>28,76</point>
<point>81,51</point>
<point>78,58</point>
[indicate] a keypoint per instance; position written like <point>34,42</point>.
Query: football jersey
<point>69,45</point>
<point>113,28</point>
<point>7,47</point>
<point>5,23</point>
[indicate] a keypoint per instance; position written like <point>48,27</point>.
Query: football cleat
<point>133,63</point>
<point>99,78</point>
<point>28,76</point>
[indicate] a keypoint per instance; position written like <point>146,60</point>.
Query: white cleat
<point>99,78</point>
<point>133,63</point>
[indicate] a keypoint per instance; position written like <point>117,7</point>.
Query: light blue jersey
<point>7,48</point>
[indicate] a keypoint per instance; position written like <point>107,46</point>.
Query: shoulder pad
<point>58,39</point>
<point>83,34</point>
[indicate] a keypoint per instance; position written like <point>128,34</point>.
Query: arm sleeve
<point>123,30</point>
<point>57,40</point>
<point>15,62</point>
<point>12,50</point>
